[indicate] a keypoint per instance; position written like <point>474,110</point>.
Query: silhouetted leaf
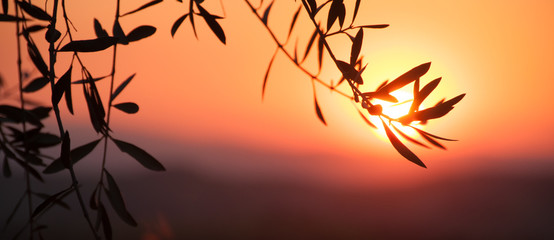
<point>421,95</point>
<point>267,73</point>
<point>375,26</point>
<point>128,107</point>
<point>99,30</point>
<point>313,6</point>
<point>116,199</point>
<point>86,80</point>
<point>30,169</point>
<point>406,78</point>
<point>6,167</point>
<point>49,201</point>
<point>349,72</point>
<point>34,11</point>
<point>433,112</point>
<point>65,155</point>
<point>63,84</point>
<point>356,8</point>
<point>92,201</point>
<point>318,112</point>
<point>178,23</point>
<point>356,46</point>
<point>266,13</point>
<point>59,201</point>
<point>34,28</point>
<point>140,155</point>
<point>37,59</point>
<point>9,18</point>
<point>431,140</point>
<point>143,7</point>
<point>93,45</point>
<point>320,53</point>
<point>40,112</point>
<point>5,6</point>
<point>105,219</point>
<point>94,105</point>
<point>334,12</point>
<point>401,148</point>
<point>140,33</point>
<point>405,136</point>
<point>366,120</point>
<point>36,84</point>
<point>76,154</point>
<point>119,34</point>
<point>122,86</point>
<point>294,18</point>
<point>310,44</point>
<point>212,23</point>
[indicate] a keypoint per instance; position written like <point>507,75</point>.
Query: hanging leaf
<point>116,199</point>
<point>75,155</point>
<point>334,12</point>
<point>366,120</point>
<point>152,3</point>
<point>65,155</point>
<point>9,18</point>
<point>105,219</point>
<point>99,30</point>
<point>349,72</point>
<point>119,34</point>
<point>405,136</point>
<point>121,87</point>
<point>36,84</point>
<point>318,112</point>
<point>58,202</point>
<point>140,33</point>
<point>5,6</point>
<point>432,112</point>
<point>356,46</point>
<point>93,45</point>
<point>128,107</point>
<point>93,204</point>
<point>6,167</point>
<point>266,13</point>
<point>341,13</point>
<point>401,148</point>
<point>313,7</point>
<point>37,59</point>
<point>377,26</point>
<point>49,201</point>
<point>431,140</point>
<point>294,18</point>
<point>34,28</point>
<point>320,53</point>
<point>140,155</point>
<point>212,23</point>
<point>356,8</point>
<point>34,11</point>
<point>406,78</point>
<point>178,23</point>
<point>310,44</point>
<point>267,73</point>
<point>61,86</point>
<point>421,95</point>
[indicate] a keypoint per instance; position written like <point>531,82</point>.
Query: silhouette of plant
<point>23,137</point>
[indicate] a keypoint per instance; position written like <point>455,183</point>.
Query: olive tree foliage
<point>23,138</point>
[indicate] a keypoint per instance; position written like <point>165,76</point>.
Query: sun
<point>395,111</point>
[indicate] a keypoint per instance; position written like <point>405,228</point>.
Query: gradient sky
<point>201,99</point>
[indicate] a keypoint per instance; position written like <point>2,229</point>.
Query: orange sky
<point>202,93</point>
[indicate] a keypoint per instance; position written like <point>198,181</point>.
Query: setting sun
<point>396,111</point>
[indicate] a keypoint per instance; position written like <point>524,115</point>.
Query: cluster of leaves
<point>334,12</point>
<point>22,134</point>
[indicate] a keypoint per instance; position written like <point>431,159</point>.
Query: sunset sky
<point>197,95</point>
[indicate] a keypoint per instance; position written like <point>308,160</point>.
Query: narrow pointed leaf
<point>313,6</point>
<point>320,50</point>
<point>65,155</point>
<point>310,44</point>
<point>34,28</point>
<point>6,168</point>
<point>341,14</point>
<point>366,120</point>
<point>334,12</point>
<point>437,111</point>
<point>267,73</point>
<point>36,84</point>
<point>425,91</point>
<point>61,86</point>
<point>140,155</point>
<point>58,202</point>
<point>93,45</point>
<point>401,148</point>
<point>5,6</point>
<point>9,18</point>
<point>431,140</point>
<point>152,3</point>
<point>49,201</point>
<point>349,72</point>
<point>177,24</point>
<point>356,46</point>
<point>92,201</point>
<point>294,18</point>
<point>266,13</point>
<point>99,30</point>
<point>375,26</point>
<point>318,112</point>
<point>119,34</point>
<point>105,219</point>
<point>405,136</point>
<point>77,154</point>
<point>116,199</point>
<point>37,59</point>
<point>356,8</point>
<point>212,23</point>
<point>34,11</point>
<point>406,78</point>
<point>122,86</point>
<point>128,107</point>
<point>140,33</point>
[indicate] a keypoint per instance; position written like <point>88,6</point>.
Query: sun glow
<point>395,111</point>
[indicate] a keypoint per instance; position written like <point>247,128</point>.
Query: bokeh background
<point>240,167</point>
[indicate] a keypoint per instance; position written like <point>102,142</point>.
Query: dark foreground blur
<point>183,205</point>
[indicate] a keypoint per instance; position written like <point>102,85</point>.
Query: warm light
<point>395,111</point>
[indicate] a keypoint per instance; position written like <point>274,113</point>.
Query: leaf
<point>37,59</point>
<point>140,33</point>
<point>356,46</point>
<point>61,86</point>
<point>140,155</point>
<point>58,202</point>
<point>266,13</point>
<point>405,136</point>
<point>50,200</point>
<point>341,13</point>
<point>401,148</point>
<point>34,28</point>
<point>76,154</point>
<point>5,6</point>
<point>94,105</point>
<point>375,26</point>
<point>36,84</point>
<point>212,23</point>
<point>320,53</point>
<point>116,199</point>
<point>121,87</point>
<point>6,167</point>
<point>313,6</point>
<point>93,45</point>
<point>406,78</point>
<point>318,112</point>
<point>178,23</point>
<point>349,72</point>
<point>119,34</point>
<point>9,18</point>
<point>65,155</point>
<point>105,219</point>
<point>310,44</point>
<point>99,30</point>
<point>152,3</point>
<point>294,18</point>
<point>92,201</point>
<point>34,11</point>
<point>366,120</point>
<point>434,112</point>
<point>356,8</point>
<point>431,140</point>
<point>128,107</point>
<point>334,12</point>
<point>423,93</point>
<point>267,73</point>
